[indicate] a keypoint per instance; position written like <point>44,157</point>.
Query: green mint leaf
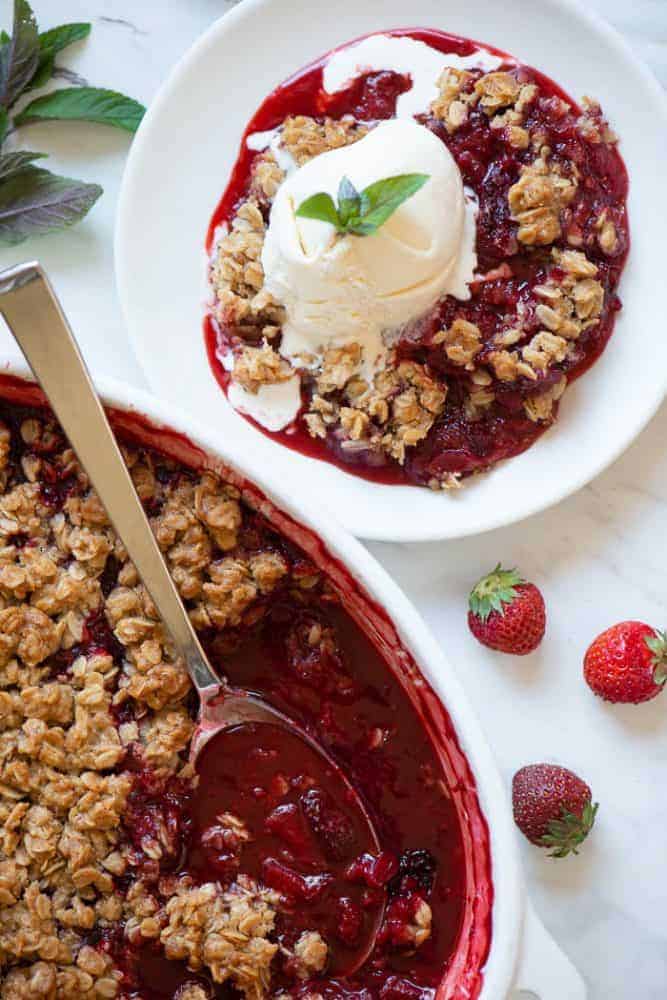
<point>19,56</point>
<point>15,163</point>
<point>44,72</point>
<point>56,39</point>
<point>349,202</point>
<point>4,37</point>
<point>360,228</point>
<point>35,202</point>
<point>321,207</point>
<point>90,104</point>
<point>362,214</point>
<point>380,200</point>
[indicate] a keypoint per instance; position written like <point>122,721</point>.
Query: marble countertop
<point>598,556</point>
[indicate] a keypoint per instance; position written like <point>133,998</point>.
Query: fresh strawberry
<point>627,663</point>
<point>552,807</point>
<point>506,613</point>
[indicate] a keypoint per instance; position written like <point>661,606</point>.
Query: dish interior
<point>250,876</point>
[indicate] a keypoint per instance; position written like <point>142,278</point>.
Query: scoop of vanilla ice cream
<point>342,288</point>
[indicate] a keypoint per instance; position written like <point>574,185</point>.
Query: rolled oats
<point>537,199</point>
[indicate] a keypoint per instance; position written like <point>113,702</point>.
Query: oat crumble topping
<point>79,642</point>
<point>226,931</point>
<point>96,718</point>
<point>537,199</point>
<point>304,137</point>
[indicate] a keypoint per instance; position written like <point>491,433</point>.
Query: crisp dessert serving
<point>418,248</point>
<point>125,872</point>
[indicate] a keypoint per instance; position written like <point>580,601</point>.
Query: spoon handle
<point>38,324</point>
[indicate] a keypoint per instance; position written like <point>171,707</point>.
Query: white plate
<point>179,165</point>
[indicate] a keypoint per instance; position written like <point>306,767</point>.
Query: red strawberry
<point>552,807</point>
<point>627,663</point>
<point>506,613</point>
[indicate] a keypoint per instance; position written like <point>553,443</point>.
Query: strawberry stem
<point>565,835</point>
<point>494,591</point>
<point>657,643</point>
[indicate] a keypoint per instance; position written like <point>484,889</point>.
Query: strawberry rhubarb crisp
<point>125,872</point>
<point>418,249</point>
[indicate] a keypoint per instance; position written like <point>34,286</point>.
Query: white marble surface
<point>599,556</point>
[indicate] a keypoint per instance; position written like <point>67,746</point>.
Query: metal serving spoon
<point>38,324</point>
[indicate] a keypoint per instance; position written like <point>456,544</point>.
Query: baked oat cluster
<point>551,240</point>
<point>96,717</point>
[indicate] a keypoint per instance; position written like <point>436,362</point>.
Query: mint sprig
<point>90,104</point>
<point>362,212</point>
<point>34,201</point>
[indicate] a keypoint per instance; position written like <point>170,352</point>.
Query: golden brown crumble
<point>63,791</point>
<point>237,276</point>
<point>478,400</point>
<point>419,930</point>
<point>574,303</point>
<point>224,931</point>
<point>454,97</point>
<point>258,366</point>
<point>537,199</point>
<point>393,414</point>
<point>339,364</point>
<point>267,177</point>
<point>500,95</point>
<point>508,366</point>
<point>304,137</point>
<point>565,306</point>
<point>540,406</point>
<point>462,342</point>
<point>544,350</point>
<point>592,124</point>
<point>496,91</point>
<point>310,954</point>
<point>607,235</point>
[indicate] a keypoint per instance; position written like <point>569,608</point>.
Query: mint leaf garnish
<point>380,200</point>
<point>15,163</point>
<point>90,104</point>
<point>349,201</point>
<point>35,201</point>
<point>56,39</point>
<point>362,213</point>
<point>19,55</point>
<point>50,43</point>
<point>319,206</point>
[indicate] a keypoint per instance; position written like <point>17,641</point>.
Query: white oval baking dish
<point>523,961</point>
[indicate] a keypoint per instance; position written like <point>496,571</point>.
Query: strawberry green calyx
<point>565,835</point>
<point>657,644</point>
<point>494,591</point>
